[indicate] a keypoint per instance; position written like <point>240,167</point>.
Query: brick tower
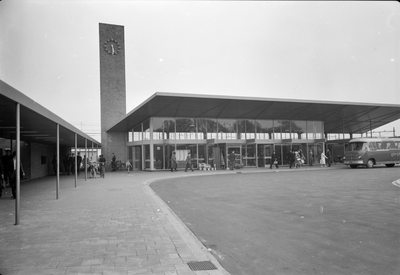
<point>112,89</point>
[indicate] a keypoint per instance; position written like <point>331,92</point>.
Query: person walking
<point>222,161</point>
<point>13,170</point>
<point>174,163</point>
<point>113,162</point>
<point>79,161</point>
<point>6,162</point>
<point>128,165</point>
<point>328,158</point>
<point>311,158</point>
<point>232,158</point>
<point>188,163</point>
<point>274,161</point>
<point>291,157</point>
<point>322,160</point>
<point>2,184</point>
<point>102,166</point>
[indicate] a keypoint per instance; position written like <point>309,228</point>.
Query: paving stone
<point>112,226</point>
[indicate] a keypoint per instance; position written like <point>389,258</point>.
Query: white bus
<point>372,151</point>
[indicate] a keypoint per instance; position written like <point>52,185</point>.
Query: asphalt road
<point>339,221</point>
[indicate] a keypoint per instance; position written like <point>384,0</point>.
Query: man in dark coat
<point>12,166</point>
<point>232,158</point>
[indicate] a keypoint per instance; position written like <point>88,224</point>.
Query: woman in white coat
<point>322,161</point>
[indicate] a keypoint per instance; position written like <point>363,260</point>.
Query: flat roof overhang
<point>338,117</point>
<point>38,124</point>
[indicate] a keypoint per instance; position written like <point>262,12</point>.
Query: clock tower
<point>112,90</point>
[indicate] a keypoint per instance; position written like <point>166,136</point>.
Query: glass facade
<point>210,140</point>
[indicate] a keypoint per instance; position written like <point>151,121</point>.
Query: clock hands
<point>112,49</point>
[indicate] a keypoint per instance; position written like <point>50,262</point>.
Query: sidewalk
<point>116,225</point>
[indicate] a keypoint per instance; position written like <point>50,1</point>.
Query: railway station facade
<point>211,127</point>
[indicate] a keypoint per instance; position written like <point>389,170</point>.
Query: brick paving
<point>116,225</point>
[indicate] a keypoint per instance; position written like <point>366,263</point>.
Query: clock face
<point>111,46</point>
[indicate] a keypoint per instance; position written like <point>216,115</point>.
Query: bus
<point>369,152</point>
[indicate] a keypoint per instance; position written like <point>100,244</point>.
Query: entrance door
<point>264,154</point>
<point>238,156</point>
<point>136,158</point>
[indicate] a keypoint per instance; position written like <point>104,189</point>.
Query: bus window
<point>389,145</point>
<point>365,146</point>
<point>372,146</point>
<point>379,146</point>
<point>355,146</point>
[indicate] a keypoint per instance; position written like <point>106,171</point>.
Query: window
<point>158,129</point>
<point>185,128</point>
<point>264,129</point>
<point>146,130</point>
<point>169,128</point>
<point>226,128</point>
<point>137,133</point>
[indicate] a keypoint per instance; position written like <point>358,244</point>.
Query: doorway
<point>238,156</point>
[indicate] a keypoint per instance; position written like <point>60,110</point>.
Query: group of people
<point>69,163</point>
<point>8,172</point>
<point>174,162</point>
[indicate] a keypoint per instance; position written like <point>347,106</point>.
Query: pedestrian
<point>311,158</point>
<point>291,158</point>
<point>188,163</point>
<point>174,163</point>
<point>2,184</point>
<point>222,161</point>
<point>274,161</point>
<point>66,163</point>
<point>79,161</point>
<point>128,165</point>
<point>232,158</point>
<point>328,158</point>
<point>322,160</point>
<point>113,162</point>
<point>6,162</point>
<point>54,162</point>
<point>13,170</point>
<point>102,166</point>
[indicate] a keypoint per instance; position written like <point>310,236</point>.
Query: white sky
<point>334,51</point>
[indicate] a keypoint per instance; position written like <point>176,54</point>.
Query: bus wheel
<point>353,166</point>
<point>390,165</point>
<point>370,163</point>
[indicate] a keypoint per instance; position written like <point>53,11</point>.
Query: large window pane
<point>185,128</point>
<point>319,129</point>
<point>248,153</point>
<point>146,130</point>
<point>298,129</point>
<point>159,159</point>
<point>264,129</point>
<point>202,154</point>
<point>169,128</point>
<point>285,124</point>
<point>201,128</point>
<point>226,128</point>
<point>277,129</point>
<point>212,128</point>
<point>250,129</point>
<point>137,133</point>
<point>158,129</point>
<point>241,129</point>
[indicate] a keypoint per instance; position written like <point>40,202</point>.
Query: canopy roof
<point>338,117</point>
<point>38,124</point>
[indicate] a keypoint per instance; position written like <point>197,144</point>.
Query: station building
<point>211,127</point>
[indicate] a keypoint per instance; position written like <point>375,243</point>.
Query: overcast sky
<point>332,51</point>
